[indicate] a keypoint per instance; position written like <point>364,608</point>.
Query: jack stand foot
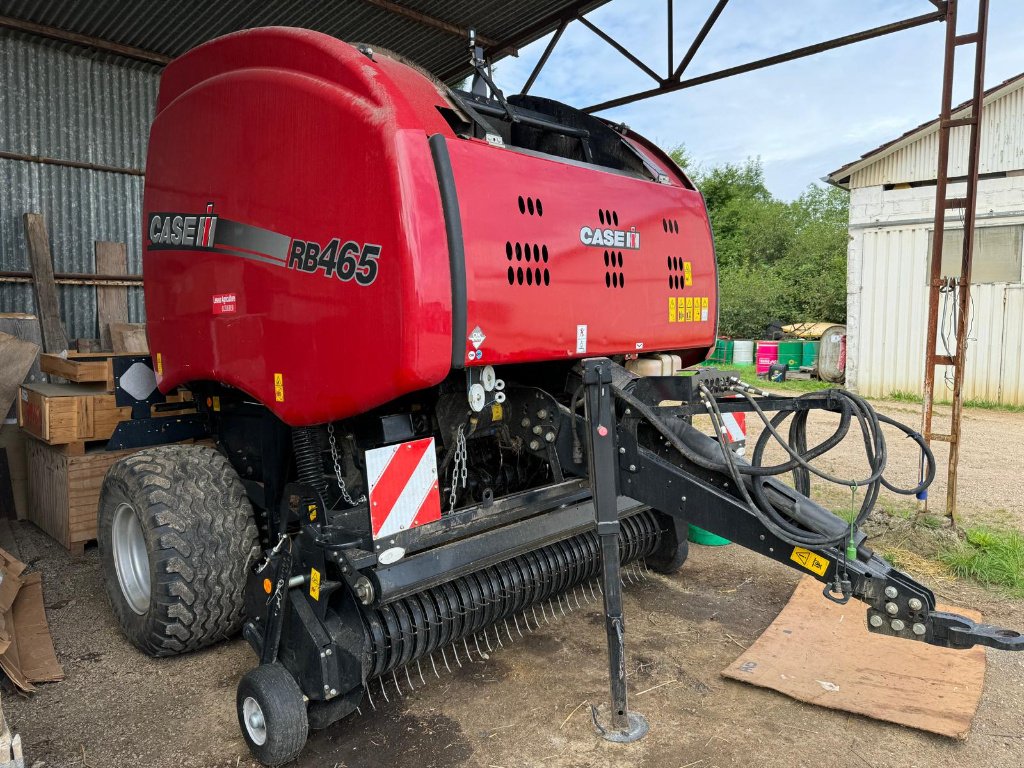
<point>635,731</point>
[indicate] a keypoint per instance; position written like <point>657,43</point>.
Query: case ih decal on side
<point>209,232</point>
<point>610,238</point>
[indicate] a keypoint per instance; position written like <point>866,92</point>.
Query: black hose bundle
<point>754,474</point>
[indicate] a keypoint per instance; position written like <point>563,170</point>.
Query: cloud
<point>803,118</point>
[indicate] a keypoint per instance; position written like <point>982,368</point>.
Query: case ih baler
<point>404,312</point>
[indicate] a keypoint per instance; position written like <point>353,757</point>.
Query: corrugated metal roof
<point>842,176</point>
<point>172,27</point>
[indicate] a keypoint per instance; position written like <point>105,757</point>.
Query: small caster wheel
<point>272,714</point>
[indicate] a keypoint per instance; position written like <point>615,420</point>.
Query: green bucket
<point>708,539</point>
<point>791,353</point>
<point>810,356</point>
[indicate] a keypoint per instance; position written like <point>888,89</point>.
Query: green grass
<point>902,396</point>
<point>992,556</point>
<point>748,375</point>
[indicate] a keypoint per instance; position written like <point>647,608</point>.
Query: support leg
<point>625,726</point>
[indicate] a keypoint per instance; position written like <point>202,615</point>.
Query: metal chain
<point>333,442</point>
<point>459,471</point>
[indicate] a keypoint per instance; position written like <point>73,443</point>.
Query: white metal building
<point>892,199</point>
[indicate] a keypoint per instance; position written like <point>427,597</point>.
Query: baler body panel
<point>295,137</point>
<point>537,291</point>
<point>296,244</point>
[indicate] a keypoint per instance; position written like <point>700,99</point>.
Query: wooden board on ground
<point>111,300</point>
<point>16,360</point>
<point>129,338</point>
<point>43,285</point>
<point>822,653</point>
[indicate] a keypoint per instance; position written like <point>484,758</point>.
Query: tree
<point>776,260</point>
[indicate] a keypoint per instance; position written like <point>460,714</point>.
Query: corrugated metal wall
<point>893,318</point>
<point>1002,148</point>
<point>63,102</point>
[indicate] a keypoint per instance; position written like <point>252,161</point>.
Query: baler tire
<point>674,548</point>
<point>181,513</point>
<point>270,693</point>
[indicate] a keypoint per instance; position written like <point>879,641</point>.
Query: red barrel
<point>767,355</point>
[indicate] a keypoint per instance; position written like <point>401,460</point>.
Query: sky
<point>803,118</point>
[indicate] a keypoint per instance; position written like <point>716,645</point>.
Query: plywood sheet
<point>822,653</point>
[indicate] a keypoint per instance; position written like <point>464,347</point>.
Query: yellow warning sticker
<point>215,402</point>
<point>311,509</point>
<point>687,274</point>
<point>809,560</point>
<point>159,364</point>
<point>671,309</point>
<point>314,583</point>
<point>496,412</point>
<point>680,309</point>
<point>279,387</point>
<point>703,302</point>
<point>689,302</point>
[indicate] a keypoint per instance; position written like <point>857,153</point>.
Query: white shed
<point>892,202</point>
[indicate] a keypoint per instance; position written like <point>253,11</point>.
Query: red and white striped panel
<point>735,426</point>
<point>403,486</point>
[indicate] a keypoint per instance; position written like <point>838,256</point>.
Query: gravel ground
<point>527,705</point>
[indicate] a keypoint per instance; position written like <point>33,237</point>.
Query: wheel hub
<point>131,560</point>
<point>255,725</point>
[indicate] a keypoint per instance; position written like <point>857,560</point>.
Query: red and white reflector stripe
<point>735,426</point>
<point>403,486</point>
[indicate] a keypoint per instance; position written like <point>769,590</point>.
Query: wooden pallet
<point>82,367</point>
<point>64,491</point>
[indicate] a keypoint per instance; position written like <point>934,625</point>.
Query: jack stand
<point>602,457</point>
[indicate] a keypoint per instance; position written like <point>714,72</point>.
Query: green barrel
<point>810,356</point>
<point>791,353</point>
<point>723,352</point>
<point>707,538</point>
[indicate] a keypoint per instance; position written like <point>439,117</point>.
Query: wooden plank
<point>69,413</point>
<point>80,370</point>
<point>888,678</point>
<point>45,289</point>
<point>111,300</point>
<point>129,338</point>
<point>16,360</point>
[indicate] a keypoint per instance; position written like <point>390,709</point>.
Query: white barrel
<point>743,353</point>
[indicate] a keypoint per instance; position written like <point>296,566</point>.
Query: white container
<point>743,353</point>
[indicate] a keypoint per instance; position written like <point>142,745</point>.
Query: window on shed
<point>997,253</point>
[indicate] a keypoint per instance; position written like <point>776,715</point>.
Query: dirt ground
<point>527,704</point>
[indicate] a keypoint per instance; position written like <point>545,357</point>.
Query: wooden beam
<point>85,40</point>
<point>47,305</point>
<point>111,301</point>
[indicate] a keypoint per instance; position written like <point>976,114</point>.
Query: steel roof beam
<point>85,40</point>
<point>544,56</point>
<point>670,86</point>
<point>430,21</point>
<point>620,48</point>
<point>699,39</point>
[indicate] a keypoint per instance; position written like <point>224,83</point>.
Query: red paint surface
<point>298,133</point>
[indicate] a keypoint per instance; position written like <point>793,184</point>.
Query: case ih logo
<point>183,230</point>
<point>344,260</point>
<point>610,238</point>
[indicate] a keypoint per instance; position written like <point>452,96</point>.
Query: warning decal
<point>809,560</point>
<point>314,583</point>
<point>279,387</point>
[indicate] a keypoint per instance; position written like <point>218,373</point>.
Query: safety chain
<point>459,470</point>
<point>333,442</point>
